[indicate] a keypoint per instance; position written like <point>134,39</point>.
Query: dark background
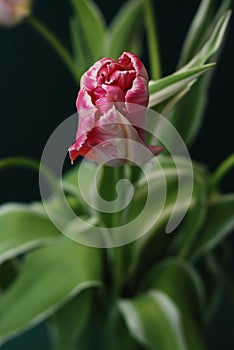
<point>37,93</point>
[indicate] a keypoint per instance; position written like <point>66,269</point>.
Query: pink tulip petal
<point>131,60</point>
<point>113,140</point>
<point>6,13</point>
<point>89,80</point>
<point>84,102</point>
<point>138,94</point>
<point>136,115</point>
<point>108,68</point>
<point>111,133</point>
<point>155,149</point>
<point>86,112</point>
<point>119,134</point>
<point>13,11</point>
<point>75,150</point>
<point>123,79</point>
<point>115,93</point>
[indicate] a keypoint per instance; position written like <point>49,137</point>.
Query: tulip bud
<point>13,11</point>
<point>111,105</point>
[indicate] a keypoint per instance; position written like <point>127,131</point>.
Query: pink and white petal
<point>109,67</point>
<point>89,78</point>
<point>136,115</point>
<point>128,58</point>
<point>107,153</point>
<point>114,125</point>
<point>6,13</point>
<point>124,139</point>
<point>113,141</point>
<point>104,104</point>
<point>86,124</point>
<point>123,79</point>
<point>107,127</point>
<point>156,150</point>
<point>84,102</point>
<point>115,92</point>
<point>119,150</point>
<point>75,149</point>
<point>138,94</point>
<point>87,114</point>
<point>97,93</point>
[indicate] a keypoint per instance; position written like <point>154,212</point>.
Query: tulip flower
<point>111,106</point>
<point>13,11</point>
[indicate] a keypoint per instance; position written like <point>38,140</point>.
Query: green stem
<point>119,175</point>
<point>117,267</point>
<point>221,171</point>
<point>60,49</point>
<point>117,271</point>
<point>152,39</point>
<point>31,164</point>
<point>135,174</point>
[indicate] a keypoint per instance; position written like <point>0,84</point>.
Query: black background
<point>37,93</point>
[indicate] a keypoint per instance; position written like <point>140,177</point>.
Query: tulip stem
<point>31,164</point>
<point>59,48</point>
<point>152,38</point>
<point>221,171</point>
<point>119,175</point>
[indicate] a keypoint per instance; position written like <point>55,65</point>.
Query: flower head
<point>13,11</point>
<point>111,105</point>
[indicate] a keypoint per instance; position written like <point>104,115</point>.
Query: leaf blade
<point>213,44</point>
<point>154,321</point>
<point>169,86</point>
<point>197,31</point>
<point>66,326</point>
<point>23,229</point>
<point>181,282</point>
<point>93,34</point>
<point>123,26</point>
<point>194,103</point>
<point>59,265</point>
<point>219,222</point>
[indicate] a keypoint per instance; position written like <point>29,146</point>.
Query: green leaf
<point>214,280</point>
<point>92,26</point>
<point>123,28</point>
<point>219,222</point>
<point>171,85</point>
<point>68,323</point>
<point>201,28</point>
<point>8,272</point>
<point>23,229</point>
<point>136,41</point>
<point>154,321</point>
<point>189,229</point>
<point>224,7</point>
<point>154,242</point>
<point>71,178</point>
<point>180,281</point>
<point>166,106</point>
<point>114,198</point>
<point>81,56</point>
<point>187,114</point>
<point>81,180</point>
<point>192,105</point>
<point>152,38</point>
<point>197,31</point>
<point>226,165</point>
<point>50,277</point>
<point>213,43</point>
